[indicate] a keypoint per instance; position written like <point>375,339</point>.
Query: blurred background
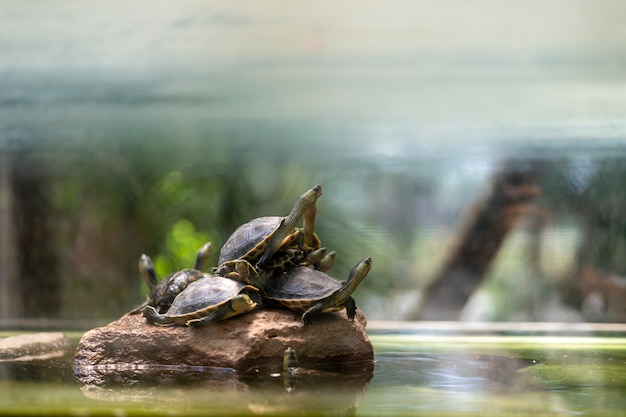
<point>475,150</point>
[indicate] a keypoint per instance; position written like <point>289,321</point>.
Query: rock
<point>250,343</point>
<point>28,347</point>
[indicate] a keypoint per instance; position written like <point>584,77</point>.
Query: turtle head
<point>203,254</point>
<point>305,203</point>
<point>146,269</point>
<point>357,274</point>
<point>242,304</point>
<point>360,271</point>
<point>313,194</point>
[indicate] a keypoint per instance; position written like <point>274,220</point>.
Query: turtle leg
<point>313,311</point>
<point>153,317</point>
<point>214,316</point>
<point>326,262</point>
<point>308,225</point>
<point>240,270</point>
<point>321,307</point>
<point>313,258</point>
<point>350,308</point>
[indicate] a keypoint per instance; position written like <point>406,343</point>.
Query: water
<point>418,370</point>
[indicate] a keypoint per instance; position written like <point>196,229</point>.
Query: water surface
<point>416,372</point>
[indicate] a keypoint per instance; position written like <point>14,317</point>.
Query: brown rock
<point>249,343</point>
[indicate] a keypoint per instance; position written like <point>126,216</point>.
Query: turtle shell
<point>204,296</point>
<point>248,240</point>
<point>165,292</point>
<point>299,287</point>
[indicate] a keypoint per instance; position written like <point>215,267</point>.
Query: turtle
<point>290,365</point>
<point>313,292</point>
<point>162,294</point>
<point>272,243</point>
<point>243,271</point>
<point>208,299</point>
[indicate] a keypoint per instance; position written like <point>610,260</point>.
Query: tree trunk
<point>512,195</point>
<point>34,288</point>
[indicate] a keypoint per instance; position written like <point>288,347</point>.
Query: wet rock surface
<point>250,343</point>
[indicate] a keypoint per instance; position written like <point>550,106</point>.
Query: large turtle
<point>211,298</point>
<point>273,244</point>
<point>313,292</point>
<point>163,293</point>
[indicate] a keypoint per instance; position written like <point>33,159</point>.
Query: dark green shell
<point>300,287</point>
<point>205,295</point>
<point>248,241</point>
<point>169,287</point>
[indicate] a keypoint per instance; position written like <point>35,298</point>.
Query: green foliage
<point>181,244</point>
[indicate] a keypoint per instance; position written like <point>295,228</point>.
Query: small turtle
<point>162,294</point>
<point>272,243</point>
<point>290,365</point>
<point>290,360</point>
<point>211,298</point>
<point>313,292</point>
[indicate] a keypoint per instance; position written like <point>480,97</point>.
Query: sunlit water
<point>439,373</point>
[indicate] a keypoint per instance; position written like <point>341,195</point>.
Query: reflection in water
<point>190,387</point>
<point>460,373</point>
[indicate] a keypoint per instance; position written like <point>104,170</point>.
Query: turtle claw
<point>195,323</point>
<point>242,271</point>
